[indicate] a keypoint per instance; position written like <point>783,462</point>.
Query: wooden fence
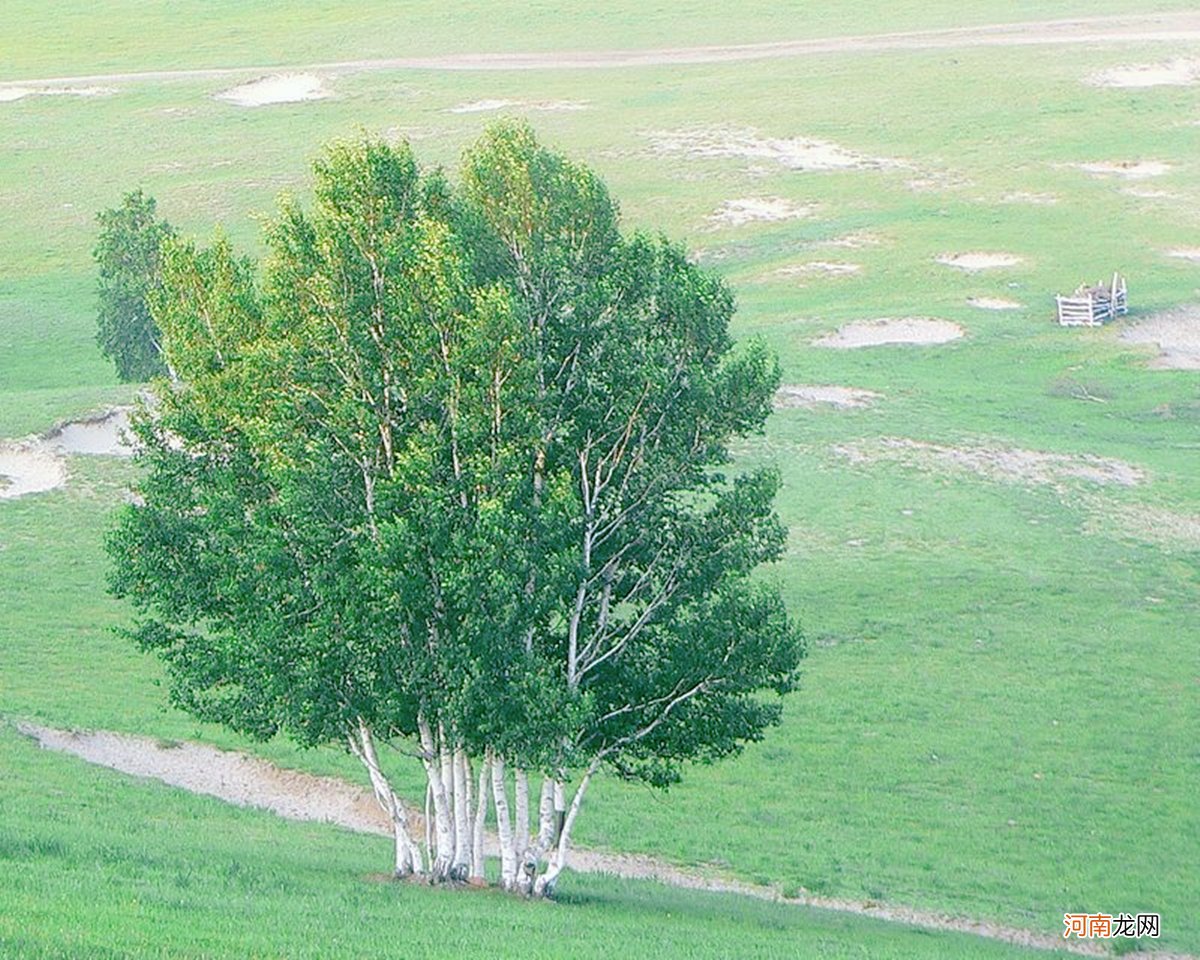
<point>1094,306</point>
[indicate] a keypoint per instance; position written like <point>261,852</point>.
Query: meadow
<point>999,712</point>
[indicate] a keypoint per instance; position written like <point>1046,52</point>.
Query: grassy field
<point>96,867</point>
<point>1000,710</point>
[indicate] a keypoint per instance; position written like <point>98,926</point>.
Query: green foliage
<point>127,254</point>
<point>459,456</point>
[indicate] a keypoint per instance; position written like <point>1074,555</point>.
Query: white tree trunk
<point>535,850</point>
<point>446,761</point>
<point>442,816</point>
<point>508,858</point>
<point>560,809</point>
<point>462,816</point>
<point>480,821</point>
<point>429,821</point>
<point>545,883</point>
<point>408,853</point>
<point>546,822</point>
<point>521,826</point>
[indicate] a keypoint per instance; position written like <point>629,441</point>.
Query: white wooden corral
<point>1094,306</point>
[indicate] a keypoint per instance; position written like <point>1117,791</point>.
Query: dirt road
<point>1123,29</point>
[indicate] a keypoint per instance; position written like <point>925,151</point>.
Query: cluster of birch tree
<point>445,479</point>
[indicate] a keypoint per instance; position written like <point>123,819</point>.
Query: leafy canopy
<point>127,254</point>
<point>460,455</point>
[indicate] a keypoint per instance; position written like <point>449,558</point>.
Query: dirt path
<point>1122,29</point>
<point>253,782</point>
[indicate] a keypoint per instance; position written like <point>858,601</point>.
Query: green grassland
<point>999,715</point>
<point>96,867</point>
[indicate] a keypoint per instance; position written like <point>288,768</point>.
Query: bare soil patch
<point>11,94</point>
<point>854,241</point>
<point>793,153</point>
<point>233,777</point>
<point>1185,253</point>
<point>1146,193</point>
<point>888,330</point>
<point>978,261</point>
<point>1126,169</point>
<point>36,464</point>
<point>546,106</point>
<point>1147,523</point>
<point>832,268</point>
<point>105,434</point>
<point>791,397</point>
<point>1033,199</point>
<point>737,213</point>
<point>1180,72</point>
<point>249,781</point>
<point>994,303</point>
<point>997,463</point>
<point>1176,333</point>
<point>27,467</point>
<point>280,88</point>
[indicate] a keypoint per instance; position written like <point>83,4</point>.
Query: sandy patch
<point>831,268</point>
<point>736,213</point>
<point>1144,193</point>
<point>854,241</point>
<point>547,106</point>
<point>937,182</point>
<point>978,261</point>
<point>994,303</point>
<point>282,88</point>
<point>1007,464</point>
<point>36,464</point>
<point>794,153</point>
<point>26,467</point>
<point>1185,253</point>
<point>233,777</point>
<point>1033,199</point>
<point>1128,169</point>
<point>887,330</point>
<point>791,397</point>
<point>1176,333</point>
<point>102,435</point>
<point>1146,523</point>
<point>1180,72</point>
<point>11,94</point>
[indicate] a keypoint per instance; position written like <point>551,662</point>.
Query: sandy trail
<point>1121,29</point>
<point>253,782</point>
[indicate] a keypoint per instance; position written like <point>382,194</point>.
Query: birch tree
<point>449,471</point>
<point>127,255</point>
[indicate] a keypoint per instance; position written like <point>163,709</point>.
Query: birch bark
<point>544,886</point>
<point>462,816</point>
<point>443,822</point>
<point>508,859</point>
<point>408,853</point>
<point>521,826</point>
<point>480,821</point>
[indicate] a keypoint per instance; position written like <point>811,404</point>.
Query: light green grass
<point>125,35</point>
<point>97,867</point>
<point>999,716</point>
